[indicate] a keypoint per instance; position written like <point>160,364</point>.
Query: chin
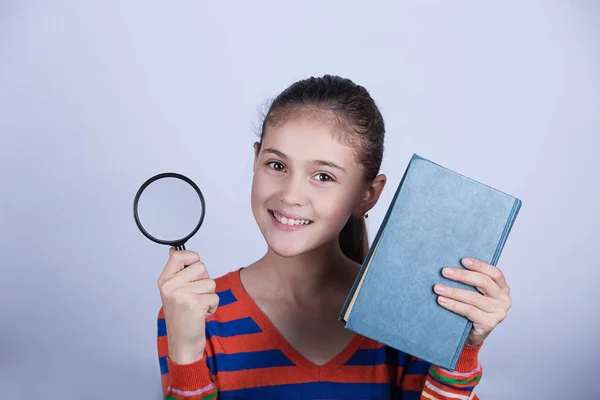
<point>287,249</point>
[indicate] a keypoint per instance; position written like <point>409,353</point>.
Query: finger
<point>484,283</point>
<point>194,272</point>
<point>178,259</point>
<point>480,266</point>
<point>466,296</point>
<point>472,313</point>
<point>211,302</point>
<point>203,286</point>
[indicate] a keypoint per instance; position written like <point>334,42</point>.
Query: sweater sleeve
<point>433,382</point>
<point>182,381</point>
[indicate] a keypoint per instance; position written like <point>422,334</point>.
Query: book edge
<point>512,216</point>
<point>466,177</point>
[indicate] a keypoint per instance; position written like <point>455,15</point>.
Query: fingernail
<point>448,271</point>
<point>467,262</point>
<point>442,300</point>
<point>439,288</point>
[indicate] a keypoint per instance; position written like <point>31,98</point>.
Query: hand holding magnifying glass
<point>169,209</point>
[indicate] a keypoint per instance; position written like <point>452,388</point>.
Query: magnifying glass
<point>169,209</point>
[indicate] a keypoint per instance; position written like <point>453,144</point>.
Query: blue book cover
<point>436,217</point>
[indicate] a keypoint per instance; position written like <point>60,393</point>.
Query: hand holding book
<point>436,218</point>
<point>485,309</point>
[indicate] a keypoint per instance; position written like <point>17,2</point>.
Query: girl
<point>276,333</point>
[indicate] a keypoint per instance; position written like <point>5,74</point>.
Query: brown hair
<point>359,125</point>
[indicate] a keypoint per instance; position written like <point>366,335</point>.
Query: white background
<point>96,97</point>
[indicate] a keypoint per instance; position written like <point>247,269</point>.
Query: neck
<point>309,276</point>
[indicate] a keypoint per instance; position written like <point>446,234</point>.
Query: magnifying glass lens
<point>169,209</point>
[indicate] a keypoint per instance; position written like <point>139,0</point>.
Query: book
<point>436,217</point>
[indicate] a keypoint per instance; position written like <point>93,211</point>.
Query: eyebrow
<point>317,162</point>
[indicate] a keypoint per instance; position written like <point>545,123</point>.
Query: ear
<point>256,152</point>
<point>371,196</point>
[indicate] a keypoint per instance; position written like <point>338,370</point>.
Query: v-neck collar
<point>316,371</point>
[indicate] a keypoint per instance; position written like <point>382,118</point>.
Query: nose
<point>294,192</point>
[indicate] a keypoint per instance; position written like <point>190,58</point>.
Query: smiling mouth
<point>288,221</point>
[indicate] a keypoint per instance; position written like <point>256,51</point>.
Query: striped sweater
<point>246,358</point>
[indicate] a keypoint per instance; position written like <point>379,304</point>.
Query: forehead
<point>307,138</point>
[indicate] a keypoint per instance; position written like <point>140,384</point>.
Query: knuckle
<point>181,298</point>
<point>490,324</point>
<point>498,273</point>
<point>201,267</point>
<point>487,280</point>
<point>212,285</point>
<point>476,299</point>
<point>211,299</point>
<point>166,288</point>
<point>509,303</point>
<point>501,316</point>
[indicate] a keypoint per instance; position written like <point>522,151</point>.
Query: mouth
<point>289,221</point>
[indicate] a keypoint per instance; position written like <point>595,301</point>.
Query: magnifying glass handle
<point>180,247</point>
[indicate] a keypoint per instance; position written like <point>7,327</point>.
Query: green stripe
<point>451,380</point>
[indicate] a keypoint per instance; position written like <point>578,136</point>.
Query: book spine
<point>507,228</point>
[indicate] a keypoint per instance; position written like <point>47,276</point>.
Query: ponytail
<point>354,240</point>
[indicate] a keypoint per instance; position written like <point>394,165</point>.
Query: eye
<point>323,177</point>
<point>276,165</point>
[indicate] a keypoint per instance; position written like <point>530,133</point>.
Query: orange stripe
<point>238,344</point>
<point>222,283</point>
<point>370,344</point>
<point>162,345</point>
<point>412,381</point>
<point>164,380</point>
<point>229,312</point>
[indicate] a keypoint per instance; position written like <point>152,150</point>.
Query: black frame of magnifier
<point>179,244</point>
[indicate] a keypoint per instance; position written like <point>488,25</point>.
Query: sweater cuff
<point>468,359</point>
<point>190,377</point>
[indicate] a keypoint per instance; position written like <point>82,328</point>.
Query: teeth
<point>289,221</point>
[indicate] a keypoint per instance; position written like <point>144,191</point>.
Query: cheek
<point>262,188</point>
<point>336,207</point>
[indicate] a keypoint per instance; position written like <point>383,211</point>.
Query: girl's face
<point>305,186</point>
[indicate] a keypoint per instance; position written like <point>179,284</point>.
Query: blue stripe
<point>316,390</point>
<point>418,367</point>
<point>164,367</point>
<point>409,395</point>
<point>382,355</point>
<point>226,297</point>
<point>162,327</point>
<point>247,360</point>
<point>242,326</point>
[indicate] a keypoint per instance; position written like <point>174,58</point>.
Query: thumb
<point>171,251</point>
